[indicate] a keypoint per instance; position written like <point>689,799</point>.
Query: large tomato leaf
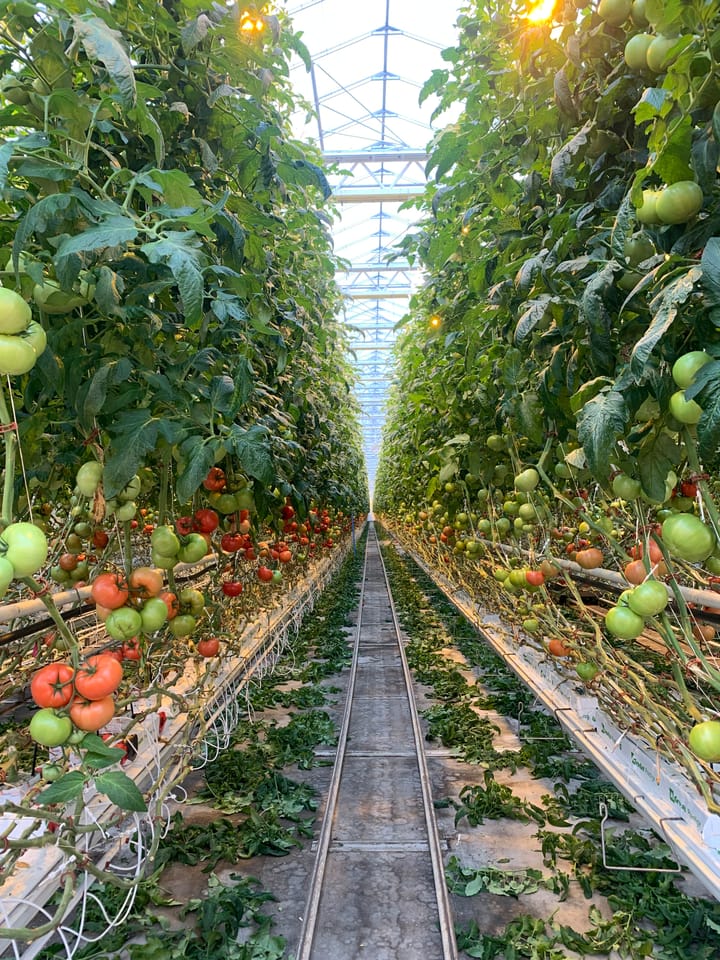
<point>600,423</point>
<point>665,309</point>
<point>658,454</point>
<point>120,789</point>
<point>102,42</point>
<point>66,788</point>
<point>137,433</point>
<point>251,447</point>
<point>181,253</point>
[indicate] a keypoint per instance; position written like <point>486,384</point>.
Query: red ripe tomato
<point>171,602</point>
<point>215,479</point>
<point>98,677</point>
<point>52,685</point>
<point>90,715</point>
<point>100,539</point>
<point>232,542</point>
<point>250,553</point>
<point>287,512</point>
<point>688,488</point>
<point>265,574</point>
<point>131,649</point>
<point>208,647</point>
<point>206,520</point>
<point>146,582</point>
<point>243,515</point>
<point>184,526</point>
<point>232,588</point>
<point>536,578</point>
<point>109,590</point>
<point>67,561</point>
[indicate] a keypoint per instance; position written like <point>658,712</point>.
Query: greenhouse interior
<point>360,517</point>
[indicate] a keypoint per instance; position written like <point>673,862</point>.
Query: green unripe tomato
<point>679,202</point>
<point>88,478</point>
<point>687,537</point>
<point>648,599</point>
<point>17,356</point>
<point>636,51</point>
<point>587,671</point>
<point>623,623</point>
<point>704,740</point>
<point>646,212</point>
<point>527,480</point>
<point>658,53</point>
<point>614,12</point>
<point>686,366</point>
<point>49,728</point>
<point>15,314</point>
<point>684,411</point>
<point>637,248</point>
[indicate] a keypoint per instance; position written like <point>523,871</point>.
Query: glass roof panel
<point>368,69</point>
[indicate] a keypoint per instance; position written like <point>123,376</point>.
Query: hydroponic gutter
<point>655,786</point>
<point>162,745</point>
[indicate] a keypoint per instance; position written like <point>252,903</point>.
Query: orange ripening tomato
<point>91,715</point>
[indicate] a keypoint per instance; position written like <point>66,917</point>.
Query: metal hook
<point>521,707</point>
<point>605,816</point>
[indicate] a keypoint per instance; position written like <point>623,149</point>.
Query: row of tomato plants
<point>557,377</point>
<point>175,388</point>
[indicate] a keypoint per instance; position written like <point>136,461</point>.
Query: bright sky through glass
<point>370,61</point>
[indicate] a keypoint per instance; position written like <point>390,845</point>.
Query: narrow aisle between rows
<point>376,891</point>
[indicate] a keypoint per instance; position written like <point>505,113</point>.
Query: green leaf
<point>181,253</point>
<point>622,228</point>
<point>295,43</point>
<point>174,186</point>
<point>706,390</point>
<point>33,141</point>
<point>654,102</point>
<point>435,82</point>
<point>194,33</point>
<point>657,456</point>
<point>673,162</point>
<point>665,308</point>
<point>251,447</point>
<point>600,422</point>
<point>710,264</point>
<point>106,377</point>
<point>149,126</point>
<point>535,311</point>
<point>304,173</point>
<point>46,211</point>
<point>103,43</point>
<point>120,789</point>
<point>562,179</point>
<point>199,457</point>
<point>113,232</point>
<point>67,788</point>
<point>135,434</point>
<point>594,312</point>
<point>95,745</point>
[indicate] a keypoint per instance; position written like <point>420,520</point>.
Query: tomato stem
<point>11,441</point>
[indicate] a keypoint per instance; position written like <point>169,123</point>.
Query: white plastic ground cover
<point>162,749</point>
<point>657,788</point>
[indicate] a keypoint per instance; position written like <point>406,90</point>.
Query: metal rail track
<point>378,887</point>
